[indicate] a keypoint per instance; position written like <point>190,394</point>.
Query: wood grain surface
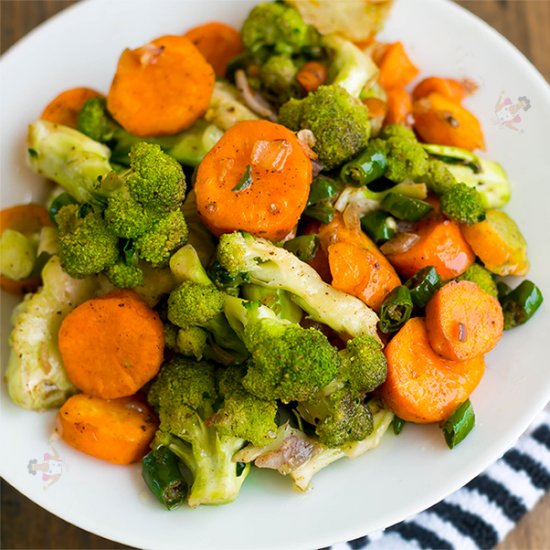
<point>24,525</point>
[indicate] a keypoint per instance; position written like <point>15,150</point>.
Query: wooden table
<point>526,23</point>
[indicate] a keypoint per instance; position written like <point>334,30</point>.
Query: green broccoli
<point>274,298</point>
<point>339,122</point>
<point>273,28</point>
<point>243,414</point>
<point>463,204</point>
<point>185,396</point>
<point>288,362</point>
<point>258,261</point>
<point>125,275</point>
<point>86,244</point>
<point>277,78</point>
<point>189,147</point>
<point>487,177</point>
<point>481,277</point>
<point>300,456</point>
<point>338,411</point>
<point>35,375</point>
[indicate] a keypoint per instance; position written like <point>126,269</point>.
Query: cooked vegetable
<point>463,321</point>
<point>278,78</point>
<point>440,120</point>
<point>256,179</point>
<point>423,284</point>
<point>35,375</point>
<point>145,95</point>
<point>378,225</point>
<point>463,204</point>
<point>498,243</point>
<point>452,89</point>
<point>370,165</point>
<point>187,147</point>
<point>440,244</point>
<point>116,430</point>
<point>64,108</point>
<point>226,107</point>
<point>395,310</point>
<point>161,472</point>
<point>218,43</point>
<point>111,346</point>
<point>405,208</point>
<point>303,247</point>
<point>399,106</point>
<point>459,424</point>
<point>339,122</point>
<point>482,277</point>
<point>520,304</point>
<point>265,264</point>
<point>396,69</point>
<point>312,75</point>
<point>421,385</point>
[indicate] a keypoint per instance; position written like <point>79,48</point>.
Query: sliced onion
<point>252,99</point>
<point>316,168</point>
<point>307,141</point>
<point>271,154</point>
<point>150,54</point>
<point>400,243</point>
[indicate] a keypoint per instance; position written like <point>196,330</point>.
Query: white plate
<point>405,474</point>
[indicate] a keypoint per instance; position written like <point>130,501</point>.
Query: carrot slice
<point>161,88</point>
<point>360,272</point>
<point>499,244</point>
<point>112,345</point>
<point>463,321</point>
<point>440,120</point>
<point>312,75</point>
<point>454,90</point>
<point>442,245</point>
<point>65,107</point>
<point>27,219</point>
<point>399,106</point>
<point>218,43</point>
<point>421,385</point>
<point>377,108</point>
<point>117,430</point>
<point>396,69</point>
<point>255,179</point>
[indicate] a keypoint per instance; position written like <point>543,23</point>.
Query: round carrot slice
<point>65,107</point>
<point>421,385</point>
<point>161,88</point>
<point>117,430</point>
<point>111,346</point>
<point>463,321</point>
<point>255,179</point>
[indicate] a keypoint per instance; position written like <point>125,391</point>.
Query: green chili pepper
<point>405,208</point>
<point>423,285</point>
<point>323,189</point>
<point>378,225</point>
<point>396,309</point>
<point>63,199</point>
<point>503,289</point>
<point>520,304</point>
<point>397,425</point>
<point>304,247</point>
<point>366,167</point>
<point>459,424</point>
<point>322,212</point>
<point>161,472</point>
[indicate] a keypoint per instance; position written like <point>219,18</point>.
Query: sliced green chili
<point>304,247</point>
<point>396,310</point>
<point>459,424</point>
<point>161,472</point>
<point>405,208</point>
<point>423,285</point>
<point>322,212</point>
<point>379,226</point>
<point>397,425</point>
<point>520,304</point>
<point>366,167</point>
<point>323,189</point>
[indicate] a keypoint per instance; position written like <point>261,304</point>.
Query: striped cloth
<point>484,511</point>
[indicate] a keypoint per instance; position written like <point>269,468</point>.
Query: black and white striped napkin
<point>483,512</point>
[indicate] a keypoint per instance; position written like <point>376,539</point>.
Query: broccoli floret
<point>277,78</point>
<point>463,204</point>
<point>338,411</point>
<point>243,414</point>
<point>184,396</point>
<point>191,341</point>
<point>188,147</point>
<point>194,304</point>
<point>260,262</point>
<point>273,28</point>
<point>481,277</point>
<point>438,178</point>
<point>295,454</point>
<point>35,375</point>
<point>86,244</point>
<point>487,177</point>
<point>125,275</point>
<point>339,122</point>
<point>288,362</point>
